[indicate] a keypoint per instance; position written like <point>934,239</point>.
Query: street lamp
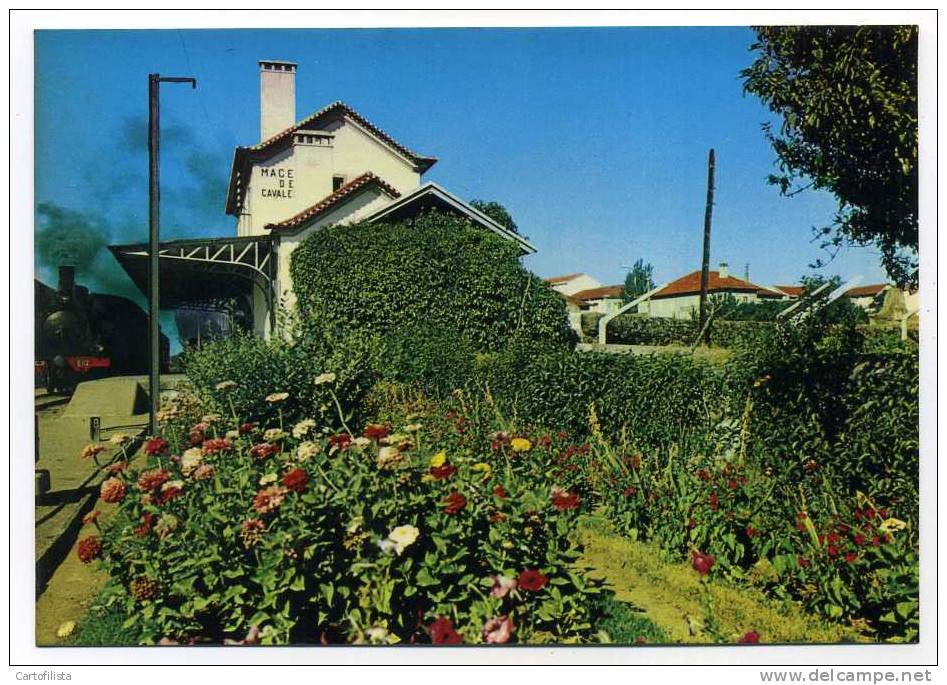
<point>154,376</point>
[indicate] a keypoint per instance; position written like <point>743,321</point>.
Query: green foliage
<point>293,535</point>
<point>436,272</point>
<point>634,329</point>
<point>626,625</point>
<point>847,96</point>
<point>497,212</point>
<point>638,281</point>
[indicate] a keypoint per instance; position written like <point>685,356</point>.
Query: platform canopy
<point>203,272</point>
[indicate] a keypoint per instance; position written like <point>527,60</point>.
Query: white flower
<point>403,536</point>
<point>273,434</point>
<point>302,428</point>
<point>225,385</point>
<point>307,450</point>
<point>191,459</point>
<point>362,442</point>
<point>233,435</point>
<point>323,378</point>
<point>210,418</point>
<point>387,546</point>
<point>389,458</point>
<point>277,397</point>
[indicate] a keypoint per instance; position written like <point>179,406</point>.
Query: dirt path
<point>670,596</point>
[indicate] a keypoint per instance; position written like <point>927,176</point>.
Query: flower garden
<point>339,486</point>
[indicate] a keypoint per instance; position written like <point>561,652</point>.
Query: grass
<point>669,594</point>
<point>625,624</point>
<point>102,626</point>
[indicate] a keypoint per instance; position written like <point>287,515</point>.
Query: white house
<point>332,167</point>
<point>680,299</point>
<point>570,284</point>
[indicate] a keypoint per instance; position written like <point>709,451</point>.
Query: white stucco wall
<point>582,282</point>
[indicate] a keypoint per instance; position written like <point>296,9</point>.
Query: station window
<point>337,182</point>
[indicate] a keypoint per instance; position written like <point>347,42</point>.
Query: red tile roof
<point>690,285</point>
<point>325,204</point>
<point>866,290</point>
<point>792,290</point>
<point>606,291</point>
<point>240,167</point>
<point>562,279</point>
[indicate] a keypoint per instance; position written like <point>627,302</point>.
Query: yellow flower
<point>892,524</point>
<point>65,630</point>
<point>521,445</point>
<point>438,459</point>
<point>486,468</point>
<point>277,397</point>
<point>268,478</point>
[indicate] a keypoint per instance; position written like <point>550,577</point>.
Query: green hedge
<point>432,273</point>
<point>636,329</point>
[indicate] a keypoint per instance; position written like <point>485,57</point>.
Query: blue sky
<point>595,139</point>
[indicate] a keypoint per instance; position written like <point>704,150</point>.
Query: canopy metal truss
<point>195,272</point>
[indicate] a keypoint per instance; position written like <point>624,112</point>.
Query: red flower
<point>702,563</point>
<point>531,580</point>
<point>636,462</point>
<point>833,551</point>
<point>112,490</point>
<point>497,517</point>
<point>454,502</point>
<point>734,485</point>
<point>152,480</point>
<point>118,467</point>
<point>443,472</point>
<point>630,491</point>
<point>750,531</point>
<point>147,519</point>
<point>246,427</point>
<point>443,633</point>
<point>296,480</point>
<point>850,557</point>
<point>268,499</point>
<point>167,495</point>
<point>89,548</point>
<point>264,450</point>
<point>876,541</point>
<point>377,431</point>
<point>499,491</point>
<point>565,500</point>
<point>703,475</point>
<point>750,638</point>
<point>216,445</point>
<point>196,437</point>
<point>340,440</point>
<point>803,562</point>
<point>859,539</point>
<point>156,446</point>
<point>714,501</point>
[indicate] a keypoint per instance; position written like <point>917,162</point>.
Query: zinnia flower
<point>91,450</point>
<point>89,548</point>
<point>389,458</point>
<point>216,445</point>
<point>443,472</point>
<point>520,445</point>
<point>564,500</point>
<point>324,378</point>
<point>307,450</point>
<point>376,431</point>
<point>66,629</point>
<point>702,563</point>
<point>502,585</point>
<point>454,502</point>
<point>251,532</point>
<point>204,471</point>
<point>147,519</point>
<point>156,446</point>
<point>246,427</point>
<point>531,580</point>
<point>273,434</point>
<point>166,525</point>
<point>340,440</point>
<point>296,480</point>
<point>263,450</point>
<point>485,468</point>
<point>497,631</point>
<point>750,638</point>
<point>152,480</point>
<point>499,491</point>
<point>275,397</point>
<point>269,498</point>
<point>191,459</point>
<point>302,428</point>
<point>144,588</point>
<point>112,490</point>
<point>118,467</point>
<point>225,386</point>
<point>443,633</point>
<point>403,536</point>
<point>170,491</point>
<point>438,460</point>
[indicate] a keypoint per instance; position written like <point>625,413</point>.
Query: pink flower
<point>702,563</point>
<point>502,586</point>
<point>750,638</point>
<point>498,631</point>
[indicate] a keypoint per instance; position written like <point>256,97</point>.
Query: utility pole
<point>154,195</point>
<point>705,266</point>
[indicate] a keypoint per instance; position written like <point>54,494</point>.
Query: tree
<point>638,281</point>
<point>497,212</point>
<point>847,96</point>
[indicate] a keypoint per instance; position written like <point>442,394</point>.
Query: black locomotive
<point>82,335</point>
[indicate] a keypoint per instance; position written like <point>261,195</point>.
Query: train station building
<point>332,167</point>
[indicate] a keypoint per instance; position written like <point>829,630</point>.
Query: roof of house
<point>792,290</point>
<point>570,299</point>
<point>606,291</point>
<point>866,290</point>
<point>366,180</point>
<point>432,196</point>
<point>690,285</point>
<point>557,280</point>
<point>244,155</point>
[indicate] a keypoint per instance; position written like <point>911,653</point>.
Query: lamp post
<point>154,376</point>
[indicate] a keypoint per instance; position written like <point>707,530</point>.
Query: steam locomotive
<point>82,335</point>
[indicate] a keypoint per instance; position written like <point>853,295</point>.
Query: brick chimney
<point>724,270</point>
<point>277,96</point>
